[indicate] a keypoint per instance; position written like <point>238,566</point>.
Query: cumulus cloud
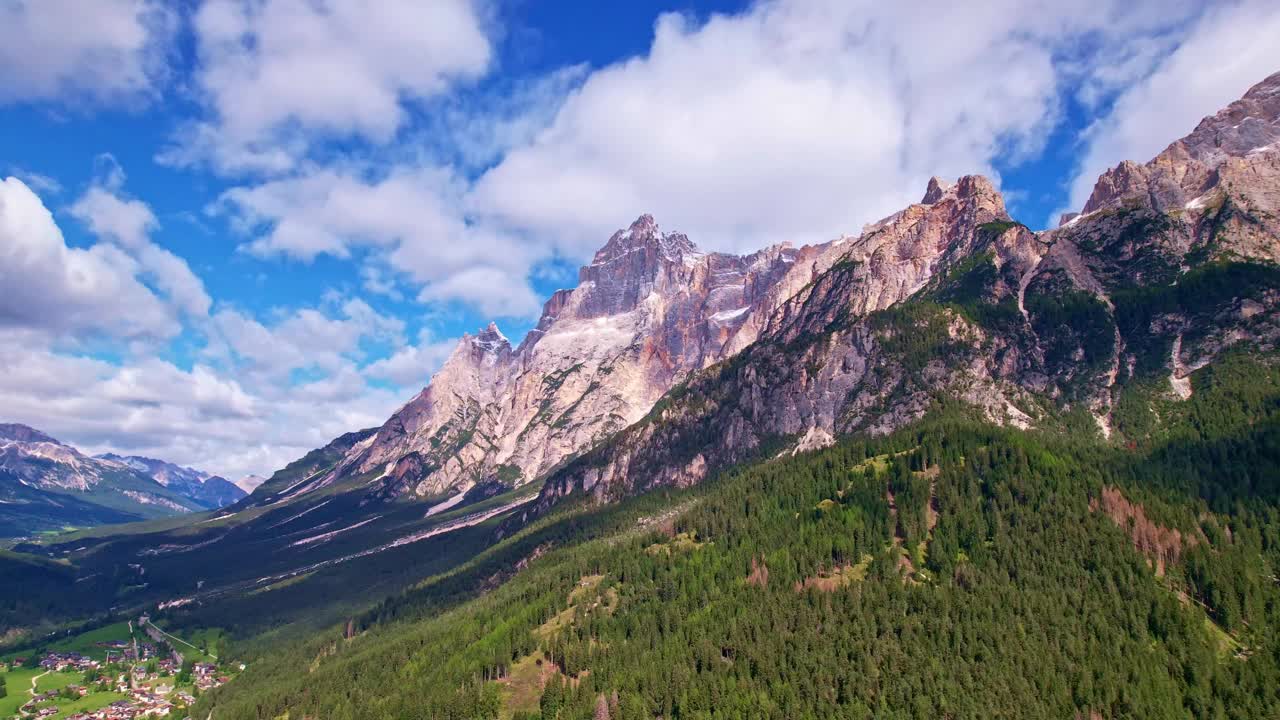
<point>273,73</point>
<point>103,51</point>
<point>49,286</point>
<point>240,408</point>
<point>413,365</point>
<point>304,337</point>
<point>413,217</point>
<point>801,121</point>
<point>199,417</point>
<point>107,215</point>
<point>237,409</point>
<point>129,223</point>
<point>1229,48</point>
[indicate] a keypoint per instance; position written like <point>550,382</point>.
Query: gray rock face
<point>1218,187</point>
<point>950,300</point>
<point>649,309</point>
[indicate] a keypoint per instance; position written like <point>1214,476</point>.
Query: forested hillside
<point>952,569</point>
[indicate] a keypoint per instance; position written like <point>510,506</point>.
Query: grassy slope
<point>1042,586</point>
<point>17,682</point>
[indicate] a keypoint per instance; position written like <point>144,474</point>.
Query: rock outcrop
<point>951,303</point>
<point>649,309</point>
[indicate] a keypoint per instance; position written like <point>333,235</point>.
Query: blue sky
<point>233,229</point>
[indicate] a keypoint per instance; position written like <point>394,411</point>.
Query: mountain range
<point>1032,328</point>
<point>49,485</point>
<point>1049,456</point>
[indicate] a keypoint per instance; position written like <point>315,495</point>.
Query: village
<point>125,671</point>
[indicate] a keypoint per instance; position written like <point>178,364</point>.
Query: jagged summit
<point>649,309</point>
<point>644,236</point>
<point>937,186</point>
<point>491,338</point>
<point>1230,147</point>
<point>24,433</point>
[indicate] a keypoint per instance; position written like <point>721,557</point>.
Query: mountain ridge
<point>210,491</point>
<point>498,415</point>
<point>1038,325</point>
<point>649,309</point>
<point>47,484</point>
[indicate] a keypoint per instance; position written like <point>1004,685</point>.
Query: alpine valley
<point>48,485</point>
<point>946,466</point>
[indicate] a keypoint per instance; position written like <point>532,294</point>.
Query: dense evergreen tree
<point>949,570</point>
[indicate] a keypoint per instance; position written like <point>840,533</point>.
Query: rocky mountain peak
<point>633,264</point>
<point>485,348</point>
<point>645,236</point>
<point>937,187</point>
<point>24,433</point>
<point>1246,126</point>
<point>491,339</point>
<point>1235,141</point>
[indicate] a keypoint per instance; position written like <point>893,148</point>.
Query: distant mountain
<point>47,485</point>
<point>209,491</point>
<point>249,483</point>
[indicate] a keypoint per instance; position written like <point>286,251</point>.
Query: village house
<point>66,662</point>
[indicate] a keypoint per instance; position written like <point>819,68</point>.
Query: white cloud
<point>304,338</point>
<point>378,281</point>
<point>235,410</point>
<point>274,73</point>
<point>199,417</point>
<point>39,182</point>
<point>61,50</point>
<point>413,218</point>
<point>1228,49</point>
<point>413,365</point>
<point>49,286</point>
<point>800,121</point>
<point>129,223</point>
<point>109,216</point>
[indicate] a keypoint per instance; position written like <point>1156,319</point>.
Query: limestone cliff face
<point>650,309</point>
<point>1216,190</point>
<point>1170,264</point>
<point>37,470</point>
<point>818,369</point>
<point>666,363</point>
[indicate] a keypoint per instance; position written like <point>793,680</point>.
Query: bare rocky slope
<point>1171,265</point>
<point>666,363</point>
<point>46,484</point>
<point>650,309</point>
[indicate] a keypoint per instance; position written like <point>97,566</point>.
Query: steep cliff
<point>650,309</point>
<point>1095,323</point>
